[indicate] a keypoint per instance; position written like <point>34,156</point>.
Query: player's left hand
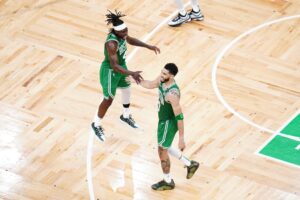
<point>155,49</point>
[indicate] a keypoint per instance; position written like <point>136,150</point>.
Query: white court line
<point>218,60</point>
<point>228,107</point>
<point>280,161</point>
<point>283,135</point>
<point>91,135</point>
<point>278,132</point>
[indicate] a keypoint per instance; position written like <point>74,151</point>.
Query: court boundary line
<point>91,134</point>
<point>278,160</point>
<point>219,95</point>
<point>219,58</point>
<point>278,132</point>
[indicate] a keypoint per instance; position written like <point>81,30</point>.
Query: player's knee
<point>163,153</point>
<point>108,101</point>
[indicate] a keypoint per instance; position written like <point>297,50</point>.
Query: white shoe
<point>177,21</point>
<point>196,15</point>
<point>99,132</point>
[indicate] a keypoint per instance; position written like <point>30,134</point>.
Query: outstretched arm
<point>135,42</point>
<point>112,48</point>
<point>150,84</point>
<point>173,97</point>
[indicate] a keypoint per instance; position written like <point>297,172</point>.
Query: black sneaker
<point>196,15</point>
<point>163,185</point>
<point>98,131</point>
<point>180,19</point>
<point>130,121</point>
<point>192,169</point>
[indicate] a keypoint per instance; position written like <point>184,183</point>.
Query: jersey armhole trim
<point>113,40</point>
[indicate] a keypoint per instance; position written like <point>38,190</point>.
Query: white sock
<point>180,6</point>
<point>177,154</point>
<point>97,121</point>
<point>167,178</point>
<point>182,12</point>
<point>186,161</point>
<point>126,113</point>
<point>174,152</point>
<point>195,5</point>
<point>126,93</point>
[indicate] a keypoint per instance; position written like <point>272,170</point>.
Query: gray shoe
<point>130,121</point>
<point>98,131</point>
<point>177,21</point>
<point>163,185</point>
<point>198,16</point>
<point>192,169</point>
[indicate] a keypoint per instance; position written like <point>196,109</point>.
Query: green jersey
<point>121,51</point>
<point>165,110</point>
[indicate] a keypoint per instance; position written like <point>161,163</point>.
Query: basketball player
<point>183,16</point>
<point>114,71</point>
<point>170,121</point>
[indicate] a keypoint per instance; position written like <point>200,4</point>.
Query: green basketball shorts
<point>111,80</point>
<point>166,132</point>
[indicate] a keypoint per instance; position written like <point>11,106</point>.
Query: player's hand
<point>155,49</point>
<point>181,144</point>
<point>137,76</point>
<point>129,80</point>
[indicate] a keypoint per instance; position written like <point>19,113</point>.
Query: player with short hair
<point>170,121</point>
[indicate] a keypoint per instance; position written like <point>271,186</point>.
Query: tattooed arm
<point>173,97</point>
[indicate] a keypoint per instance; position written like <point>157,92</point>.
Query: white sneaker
<point>98,131</point>
<point>130,121</point>
<point>196,15</point>
<point>177,21</point>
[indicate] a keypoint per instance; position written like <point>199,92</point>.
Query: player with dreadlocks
<point>113,71</point>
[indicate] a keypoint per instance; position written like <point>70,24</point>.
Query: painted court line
<point>289,136</point>
<point>91,134</point>
<point>277,160</point>
<point>219,58</point>
<point>278,132</point>
<point>232,110</point>
<point>282,135</point>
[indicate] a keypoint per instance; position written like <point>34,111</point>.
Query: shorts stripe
<point>165,133</point>
<point>109,84</point>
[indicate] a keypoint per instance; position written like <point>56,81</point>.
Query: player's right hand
<point>181,144</point>
<point>137,76</point>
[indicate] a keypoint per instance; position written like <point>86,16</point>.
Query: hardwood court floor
<point>50,52</point>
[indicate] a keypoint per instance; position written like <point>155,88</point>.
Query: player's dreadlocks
<point>114,18</point>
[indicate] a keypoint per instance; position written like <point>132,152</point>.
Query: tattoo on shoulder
<point>174,92</point>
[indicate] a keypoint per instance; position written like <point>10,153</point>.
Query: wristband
<point>179,117</point>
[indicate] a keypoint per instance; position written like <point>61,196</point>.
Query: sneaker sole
<point>197,19</point>
<point>102,139</point>
<point>128,124</point>
<point>176,25</point>
<point>192,174</point>
<point>164,188</point>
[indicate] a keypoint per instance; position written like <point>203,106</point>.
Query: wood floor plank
<point>50,54</point>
